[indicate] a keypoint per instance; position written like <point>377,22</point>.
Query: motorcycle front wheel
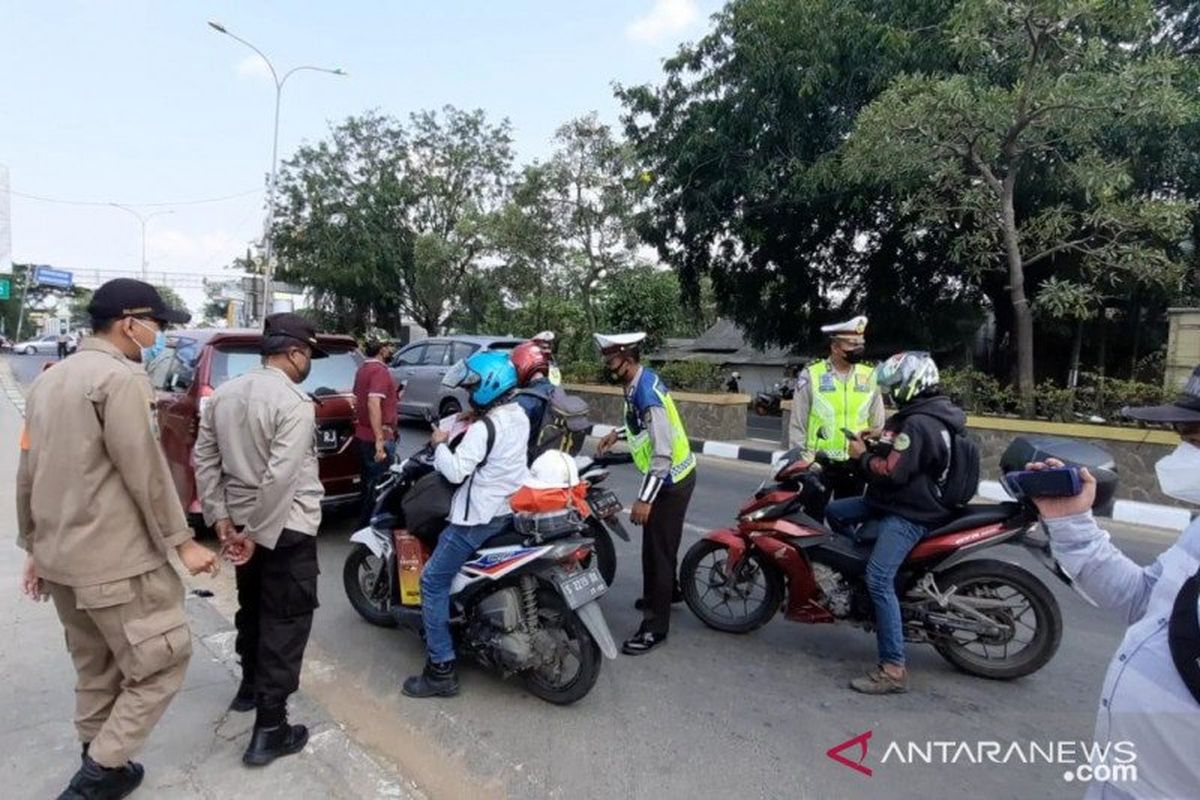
<point>1023,608</point>
<point>575,665</point>
<point>738,603</point>
<point>365,579</point>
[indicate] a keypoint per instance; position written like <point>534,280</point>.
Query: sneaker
<point>436,680</point>
<point>879,682</point>
<point>94,781</point>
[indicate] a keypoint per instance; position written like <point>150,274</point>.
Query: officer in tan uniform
<point>256,471</point>
<point>98,514</point>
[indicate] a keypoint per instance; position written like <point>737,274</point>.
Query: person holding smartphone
<point>1151,692</point>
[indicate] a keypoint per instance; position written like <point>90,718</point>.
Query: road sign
<point>48,276</point>
<point>5,288</point>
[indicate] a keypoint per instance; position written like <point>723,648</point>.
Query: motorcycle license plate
<point>582,587</point>
<point>604,503</point>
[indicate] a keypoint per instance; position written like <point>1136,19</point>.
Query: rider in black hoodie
<point>901,506</point>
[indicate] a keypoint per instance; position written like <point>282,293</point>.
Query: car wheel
<point>31,350</point>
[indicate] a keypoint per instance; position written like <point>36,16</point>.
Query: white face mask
<point>1179,473</point>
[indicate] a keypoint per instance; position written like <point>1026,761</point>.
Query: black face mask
<point>302,374</point>
<point>856,355</point>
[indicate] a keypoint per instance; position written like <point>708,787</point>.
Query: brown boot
<point>878,681</point>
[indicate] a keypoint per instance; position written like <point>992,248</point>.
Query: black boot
<point>94,782</point>
<point>273,736</point>
<point>244,699</point>
<point>436,680</point>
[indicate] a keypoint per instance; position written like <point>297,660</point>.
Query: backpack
<point>427,504</point>
<point>564,424</point>
<point>959,483</point>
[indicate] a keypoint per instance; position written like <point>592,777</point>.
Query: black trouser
<point>62,350</point>
<point>277,593</point>
<point>842,479</point>
<point>372,471</point>
<point>660,552</point>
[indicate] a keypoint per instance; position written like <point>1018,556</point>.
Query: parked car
<point>420,366</point>
<point>41,346</point>
<point>196,362</point>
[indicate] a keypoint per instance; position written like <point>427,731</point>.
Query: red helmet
<point>529,358</point>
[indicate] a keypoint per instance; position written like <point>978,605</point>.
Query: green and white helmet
<point>906,376</point>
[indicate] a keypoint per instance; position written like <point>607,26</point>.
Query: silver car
<point>42,346</point>
<point>420,366</point>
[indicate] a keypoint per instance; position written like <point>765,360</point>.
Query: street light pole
<point>143,219</point>
<point>268,238</point>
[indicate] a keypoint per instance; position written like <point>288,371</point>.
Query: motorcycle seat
<point>976,516</point>
<point>506,539</point>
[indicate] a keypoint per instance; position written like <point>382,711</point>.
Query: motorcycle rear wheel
<point>560,620</point>
<point>992,577</point>
<point>359,577</point>
<point>703,572</point>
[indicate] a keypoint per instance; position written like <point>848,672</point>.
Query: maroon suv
<point>196,362</point>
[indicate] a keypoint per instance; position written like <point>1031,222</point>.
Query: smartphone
<point>1059,482</point>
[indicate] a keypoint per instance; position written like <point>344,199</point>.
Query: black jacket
<point>904,469</point>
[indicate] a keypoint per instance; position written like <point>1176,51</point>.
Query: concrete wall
<point>1183,346</point>
<point>1135,450</point>
<point>718,417</point>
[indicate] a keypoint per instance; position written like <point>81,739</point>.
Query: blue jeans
<point>894,537</point>
<point>372,472</point>
<point>454,548</point>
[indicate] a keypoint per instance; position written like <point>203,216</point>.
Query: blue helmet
<point>488,377</point>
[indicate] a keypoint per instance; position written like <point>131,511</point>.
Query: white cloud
<point>252,66</point>
<point>666,18</point>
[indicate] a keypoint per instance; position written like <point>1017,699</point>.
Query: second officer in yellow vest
<point>834,394</point>
<point>662,453</point>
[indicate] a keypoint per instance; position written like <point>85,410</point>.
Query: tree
<point>384,219</point>
<point>737,153</point>
<point>644,299</point>
<point>1039,86</point>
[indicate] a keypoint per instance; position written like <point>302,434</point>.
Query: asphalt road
<point>709,714</point>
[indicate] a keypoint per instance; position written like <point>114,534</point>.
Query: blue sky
<point>141,102</point>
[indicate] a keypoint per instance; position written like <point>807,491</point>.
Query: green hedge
<point>1097,396</point>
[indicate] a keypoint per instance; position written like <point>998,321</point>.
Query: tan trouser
<point>130,643</point>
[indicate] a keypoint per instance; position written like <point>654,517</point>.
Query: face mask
<point>856,355</point>
<point>155,350</point>
<point>1179,473</point>
<point>302,374</point>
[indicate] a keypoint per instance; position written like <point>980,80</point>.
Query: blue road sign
<point>48,276</point>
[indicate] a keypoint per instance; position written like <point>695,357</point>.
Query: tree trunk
<point>1076,349</point>
<point>1135,333</point>
<point>1022,314</point>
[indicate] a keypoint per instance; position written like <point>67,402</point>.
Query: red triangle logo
<point>861,740</point>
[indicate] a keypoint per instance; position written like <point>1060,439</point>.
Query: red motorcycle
<point>987,617</point>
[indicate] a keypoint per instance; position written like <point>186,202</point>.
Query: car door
<point>48,345</point>
<point>427,380</point>
<point>404,366</point>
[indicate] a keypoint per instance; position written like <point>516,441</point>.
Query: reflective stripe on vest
<point>683,461</point>
<point>838,404</point>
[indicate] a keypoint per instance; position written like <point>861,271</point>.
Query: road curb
<point>1152,515</point>
<point>10,387</point>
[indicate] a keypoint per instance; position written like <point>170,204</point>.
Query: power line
<point>61,201</point>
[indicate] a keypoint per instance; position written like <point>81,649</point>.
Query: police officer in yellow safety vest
<point>833,394</point>
<point>661,452</point>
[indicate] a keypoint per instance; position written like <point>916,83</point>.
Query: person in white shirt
<point>1151,693</point>
<point>488,466</point>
